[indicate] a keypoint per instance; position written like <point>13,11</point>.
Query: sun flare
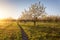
<point>1,14</point>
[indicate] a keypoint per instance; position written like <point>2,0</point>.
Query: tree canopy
<point>34,11</point>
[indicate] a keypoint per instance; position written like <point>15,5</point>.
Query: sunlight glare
<point>1,14</point>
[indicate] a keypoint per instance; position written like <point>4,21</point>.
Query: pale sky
<point>13,8</point>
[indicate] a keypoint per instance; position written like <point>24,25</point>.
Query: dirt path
<point>23,33</point>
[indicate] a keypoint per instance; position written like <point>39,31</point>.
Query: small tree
<point>34,12</point>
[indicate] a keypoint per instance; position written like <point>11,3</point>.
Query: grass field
<point>10,31</point>
<point>42,31</point>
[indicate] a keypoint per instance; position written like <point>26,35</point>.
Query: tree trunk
<point>35,19</point>
<point>34,23</point>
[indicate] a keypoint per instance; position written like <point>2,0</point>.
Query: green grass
<point>42,31</point>
<point>11,31</point>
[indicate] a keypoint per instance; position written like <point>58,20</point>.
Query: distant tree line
<point>43,19</point>
<point>50,19</point>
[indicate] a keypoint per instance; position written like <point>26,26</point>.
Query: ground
<point>42,31</point>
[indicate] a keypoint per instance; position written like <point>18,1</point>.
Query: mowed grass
<point>42,31</point>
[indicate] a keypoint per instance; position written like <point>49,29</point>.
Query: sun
<point>2,14</point>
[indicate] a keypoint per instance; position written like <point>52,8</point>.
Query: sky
<point>13,8</point>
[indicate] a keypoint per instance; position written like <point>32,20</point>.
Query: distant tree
<point>34,12</point>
